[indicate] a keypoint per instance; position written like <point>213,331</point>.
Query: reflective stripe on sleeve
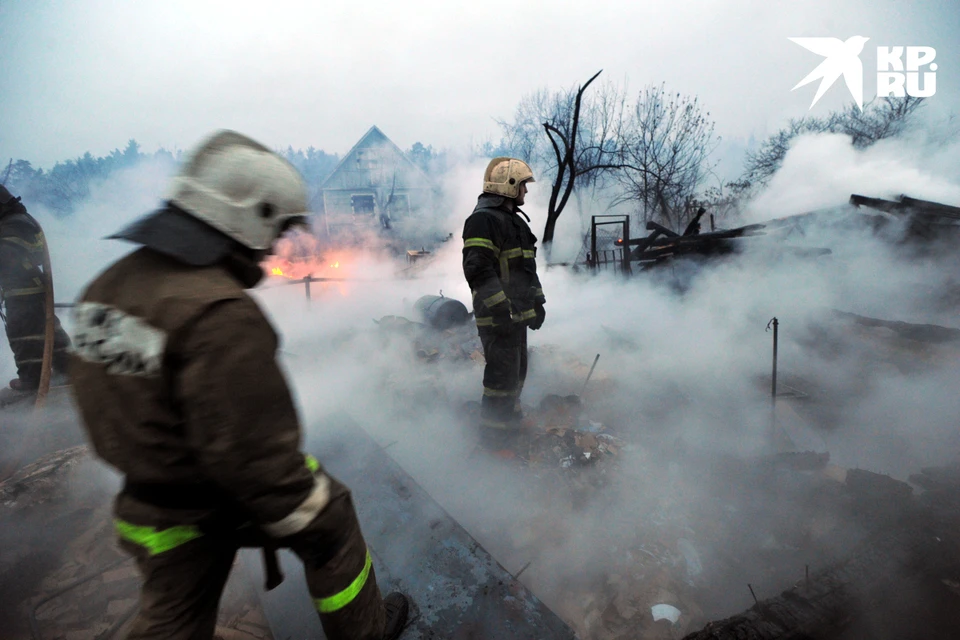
<point>29,246</point>
<point>484,322</point>
<point>496,298</point>
<point>481,242</point>
<point>528,253</point>
<point>156,541</point>
<point>528,314</point>
<point>340,600</point>
<point>298,519</point>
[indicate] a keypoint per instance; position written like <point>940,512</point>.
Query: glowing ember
<point>336,265</point>
<point>277,271</point>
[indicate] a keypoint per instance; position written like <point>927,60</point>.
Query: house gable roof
<point>372,138</point>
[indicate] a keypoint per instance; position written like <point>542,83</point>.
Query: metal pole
<point>589,375</point>
<point>625,247</point>
<point>306,284</point>
<point>773,385</point>
<point>593,240</point>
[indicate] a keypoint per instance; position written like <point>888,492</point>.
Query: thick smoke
<point>678,371</point>
<point>686,370</point>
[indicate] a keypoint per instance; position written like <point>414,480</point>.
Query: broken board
<point>459,591</point>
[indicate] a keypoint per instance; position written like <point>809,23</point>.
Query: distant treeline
<point>63,187</point>
<point>68,183</point>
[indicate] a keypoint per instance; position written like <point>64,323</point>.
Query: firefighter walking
<point>23,294</point>
<point>175,373</point>
<point>499,252</point>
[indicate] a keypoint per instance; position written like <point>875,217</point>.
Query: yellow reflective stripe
<point>481,242</point>
<point>21,338</point>
<point>12,293</point>
<point>31,361</point>
<point>498,393</point>
<point>485,322</point>
<point>313,465</point>
<point>496,298</point>
<point>538,292</point>
<point>528,314</point>
<point>29,246</point>
<point>527,253</point>
<point>495,424</point>
<point>511,253</point>
<point>155,541</point>
<point>504,269</point>
<point>340,600</point>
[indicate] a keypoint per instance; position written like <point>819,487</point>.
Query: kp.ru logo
<point>895,78</point>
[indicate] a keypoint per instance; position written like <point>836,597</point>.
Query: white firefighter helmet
<point>241,188</point>
<point>504,176</point>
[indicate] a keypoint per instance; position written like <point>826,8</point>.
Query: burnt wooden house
<point>374,185</point>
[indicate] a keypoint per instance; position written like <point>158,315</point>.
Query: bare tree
<point>581,144</point>
<point>880,119</point>
<point>668,141</point>
<point>384,193</point>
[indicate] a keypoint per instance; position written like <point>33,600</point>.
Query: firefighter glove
<point>537,320</point>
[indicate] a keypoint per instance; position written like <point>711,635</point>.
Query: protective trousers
<point>25,325</point>
<point>184,572</point>
<point>505,350</point>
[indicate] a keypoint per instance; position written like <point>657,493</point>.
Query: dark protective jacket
<point>175,374</point>
<point>499,262</point>
<point>23,293</point>
<point>21,252</point>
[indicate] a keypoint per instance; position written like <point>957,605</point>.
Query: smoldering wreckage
<point>820,551</point>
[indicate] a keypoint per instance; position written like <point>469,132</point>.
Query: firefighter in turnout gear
<point>175,373</point>
<point>499,263</point>
<point>23,290</point>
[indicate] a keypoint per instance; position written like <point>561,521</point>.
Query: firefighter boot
<point>398,609</point>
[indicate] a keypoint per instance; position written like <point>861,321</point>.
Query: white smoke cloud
<point>690,368</point>
<point>822,170</point>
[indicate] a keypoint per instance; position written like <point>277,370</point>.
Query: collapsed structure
<point>610,246</point>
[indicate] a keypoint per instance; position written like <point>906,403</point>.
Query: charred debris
<point>906,220</point>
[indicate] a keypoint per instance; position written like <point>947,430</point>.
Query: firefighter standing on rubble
<point>23,294</point>
<point>176,378</point>
<point>499,252</point>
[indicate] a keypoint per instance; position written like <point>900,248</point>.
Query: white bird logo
<point>842,58</point>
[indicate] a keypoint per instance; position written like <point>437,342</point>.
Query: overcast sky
<point>78,76</point>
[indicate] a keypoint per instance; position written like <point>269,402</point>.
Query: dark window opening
<point>362,205</point>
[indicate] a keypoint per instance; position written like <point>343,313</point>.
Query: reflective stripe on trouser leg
<point>181,589</point>
<point>339,571</point>
<point>25,326</point>
<point>339,600</point>
<point>501,376</point>
<point>26,316</point>
<point>156,541</point>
